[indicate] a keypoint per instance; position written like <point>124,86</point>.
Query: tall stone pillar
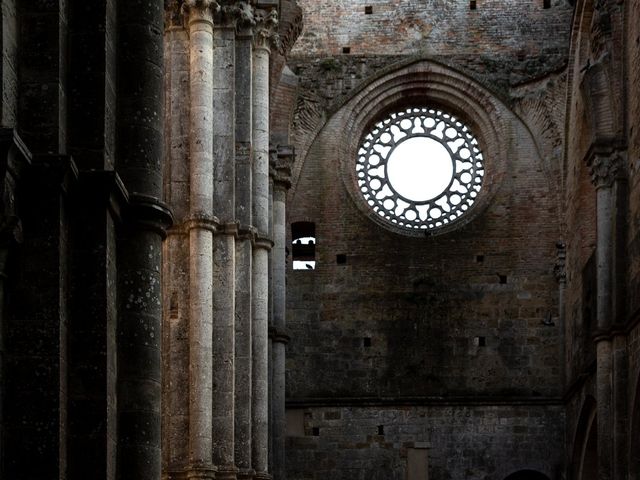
<point>201,229</point>
<point>281,182</point>
<point>243,273</point>
<point>264,35</point>
<point>224,241</point>
<point>175,328</point>
<point>606,167</point>
<point>139,162</point>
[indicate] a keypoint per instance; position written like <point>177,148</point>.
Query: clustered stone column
<point>281,183</point>
<point>266,22</point>
<point>216,295</point>
<point>244,256</point>
<point>201,226</point>
<point>606,172</point>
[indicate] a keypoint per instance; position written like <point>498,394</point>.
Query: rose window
<point>420,168</point>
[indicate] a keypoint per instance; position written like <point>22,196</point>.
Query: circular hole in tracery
<point>420,168</point>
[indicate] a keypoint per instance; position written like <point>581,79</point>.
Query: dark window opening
<point>380,429</point>
<point>366,342</point>
<point>482,342</point>
<point>472,4</point>
<point>341,259</point>
<point>521,56</point>
<point>479,258</point>
<point>315,431</point>
<point>368,10</point>
<point>346,49</point>
<point>303,245</point>
<point>503,279</point>
<point>546,4</point>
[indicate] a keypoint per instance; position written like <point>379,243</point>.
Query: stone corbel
<point>285,156</point>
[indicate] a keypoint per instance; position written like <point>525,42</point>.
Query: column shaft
<point>175,384</point>
<point>139,158</point>
<point>260,283</point>
<point>243,195</point>
<point>224,246</point>
<point>279,306</point>
<point>259,405</point>
<point>201,239</point>
<point>604,257</point>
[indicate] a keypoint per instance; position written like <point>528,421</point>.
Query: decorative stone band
<point>262,476</point>
<point>264,243</point>
<point>239,14</point>
<point>196,472</point>
<point>606,166</point>
<point>239,231</point>
<point>227,473</point>
<point>246,474</point>
<point>148,213</point>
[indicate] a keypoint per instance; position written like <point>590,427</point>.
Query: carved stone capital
<point>266,29</point>
<point>196,10</point>
<point>606,167</point>
<point>284,158</point>
<point>234,14</point>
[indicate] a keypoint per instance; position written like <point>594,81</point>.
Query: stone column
<point>243,196</point>
<point>282,182</point>
<point>201,229</point>
<point>605,167</point>
<point>139,162</point>
<point>176,305</point>
<point>560,272</point>
<point>224,241</point>
<point>265,33</point>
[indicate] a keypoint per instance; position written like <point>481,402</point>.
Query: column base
<point>262,476</point>
<point>195,472</point>
<point>228,472</point>
<point>246,474</point>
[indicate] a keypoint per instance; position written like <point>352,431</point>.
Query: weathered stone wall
<point>633,126</point>
<point>425,301</point>
<point>488,441</point>
<point>497,28</point>
<point>426,318</point>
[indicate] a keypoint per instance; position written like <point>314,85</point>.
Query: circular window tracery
<point>420,168</point>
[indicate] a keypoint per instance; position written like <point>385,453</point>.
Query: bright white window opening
<point>303,245</point>
<point>420,168</point>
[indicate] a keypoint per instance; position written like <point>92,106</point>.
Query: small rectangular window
<point>546,4</point>
<point>368,10</point>
<point>472,4</point>
<point>303,245</point>
<point>346,50</point>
